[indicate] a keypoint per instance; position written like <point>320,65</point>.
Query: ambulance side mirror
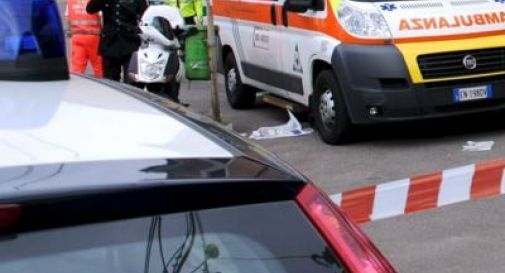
<point>301,6</point>
<point>318,5</point>
<point>298,6</point>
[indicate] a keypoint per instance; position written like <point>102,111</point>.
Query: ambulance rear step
<point>282,103</point>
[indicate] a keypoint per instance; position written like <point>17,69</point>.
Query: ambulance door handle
<point>284,16</point>
<point>273,14</point>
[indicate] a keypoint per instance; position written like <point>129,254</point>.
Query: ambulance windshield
<point>32,44</point>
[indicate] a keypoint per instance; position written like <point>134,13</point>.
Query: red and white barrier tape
<point>419,193</point>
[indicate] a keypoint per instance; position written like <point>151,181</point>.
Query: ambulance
<point>365,62</point>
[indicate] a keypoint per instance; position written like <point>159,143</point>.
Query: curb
<point>424,192</point>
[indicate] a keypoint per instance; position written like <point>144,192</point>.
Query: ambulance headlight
<point>150,70</point>
<point>364,21</point>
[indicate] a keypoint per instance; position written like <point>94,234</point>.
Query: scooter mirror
<point>191,31</point>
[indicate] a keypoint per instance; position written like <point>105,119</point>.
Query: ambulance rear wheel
<point>329,110</point>
<point>239,95</point>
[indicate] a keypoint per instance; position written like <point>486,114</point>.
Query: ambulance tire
<point>239,95</point>
<point>329,110</point>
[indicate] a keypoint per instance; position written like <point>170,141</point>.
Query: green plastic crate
<point>197,56</point>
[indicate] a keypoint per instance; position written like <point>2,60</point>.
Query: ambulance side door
<point>301,41</point>
<point>258,43</point>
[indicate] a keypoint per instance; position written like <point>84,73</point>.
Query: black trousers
<point>189,20</point>
<point>168,90</point>
<point>113,67</point>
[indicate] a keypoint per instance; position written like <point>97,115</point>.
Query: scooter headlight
<point>364,21</point>
<point>151,71</point>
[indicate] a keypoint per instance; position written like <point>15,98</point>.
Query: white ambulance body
<point>364,62</point>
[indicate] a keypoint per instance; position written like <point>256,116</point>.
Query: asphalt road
<point>467,237</point>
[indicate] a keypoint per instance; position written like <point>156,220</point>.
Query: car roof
<point>82,120</point>
<point>61,138</point>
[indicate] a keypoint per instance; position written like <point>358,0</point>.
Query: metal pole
<point>211,42</point>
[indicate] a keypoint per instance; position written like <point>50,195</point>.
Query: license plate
<point>473,93</point>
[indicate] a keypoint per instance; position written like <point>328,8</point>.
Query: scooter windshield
<point>32,43</point>
<point>164,27</point>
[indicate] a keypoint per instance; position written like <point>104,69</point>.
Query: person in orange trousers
<point>85,38</point>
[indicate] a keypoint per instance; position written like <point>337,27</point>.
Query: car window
<point>273,237</point>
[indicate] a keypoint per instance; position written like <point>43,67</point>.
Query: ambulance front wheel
<point>329,110</point>
<point>239,95</point>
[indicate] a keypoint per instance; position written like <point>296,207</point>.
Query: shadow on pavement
<point>453,127</point>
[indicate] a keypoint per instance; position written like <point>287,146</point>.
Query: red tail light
<point>345,238</point>
<point>9,215</point>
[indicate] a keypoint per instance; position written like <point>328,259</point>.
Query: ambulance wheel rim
<point>232,79</point>
<point>327,108</point>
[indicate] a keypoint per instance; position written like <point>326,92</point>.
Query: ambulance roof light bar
<point>32,43</point>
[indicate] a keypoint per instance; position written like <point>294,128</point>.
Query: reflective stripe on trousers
<point>86,23</point>
<point>85,32</point>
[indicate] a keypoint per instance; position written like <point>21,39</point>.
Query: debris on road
<point>290,129</point>
<point>474,146</point>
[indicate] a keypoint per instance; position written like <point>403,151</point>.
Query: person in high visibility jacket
<point>191,10</point>
<point>85,37</point>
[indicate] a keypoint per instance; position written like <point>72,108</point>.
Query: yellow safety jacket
<point>188,8</point>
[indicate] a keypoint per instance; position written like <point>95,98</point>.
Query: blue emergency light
<point>32,43</point>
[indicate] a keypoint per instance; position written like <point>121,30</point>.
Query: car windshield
<point>225,240</point>
<point>31,36</point>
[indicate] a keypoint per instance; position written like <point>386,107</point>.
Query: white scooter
<point>158,65</point>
